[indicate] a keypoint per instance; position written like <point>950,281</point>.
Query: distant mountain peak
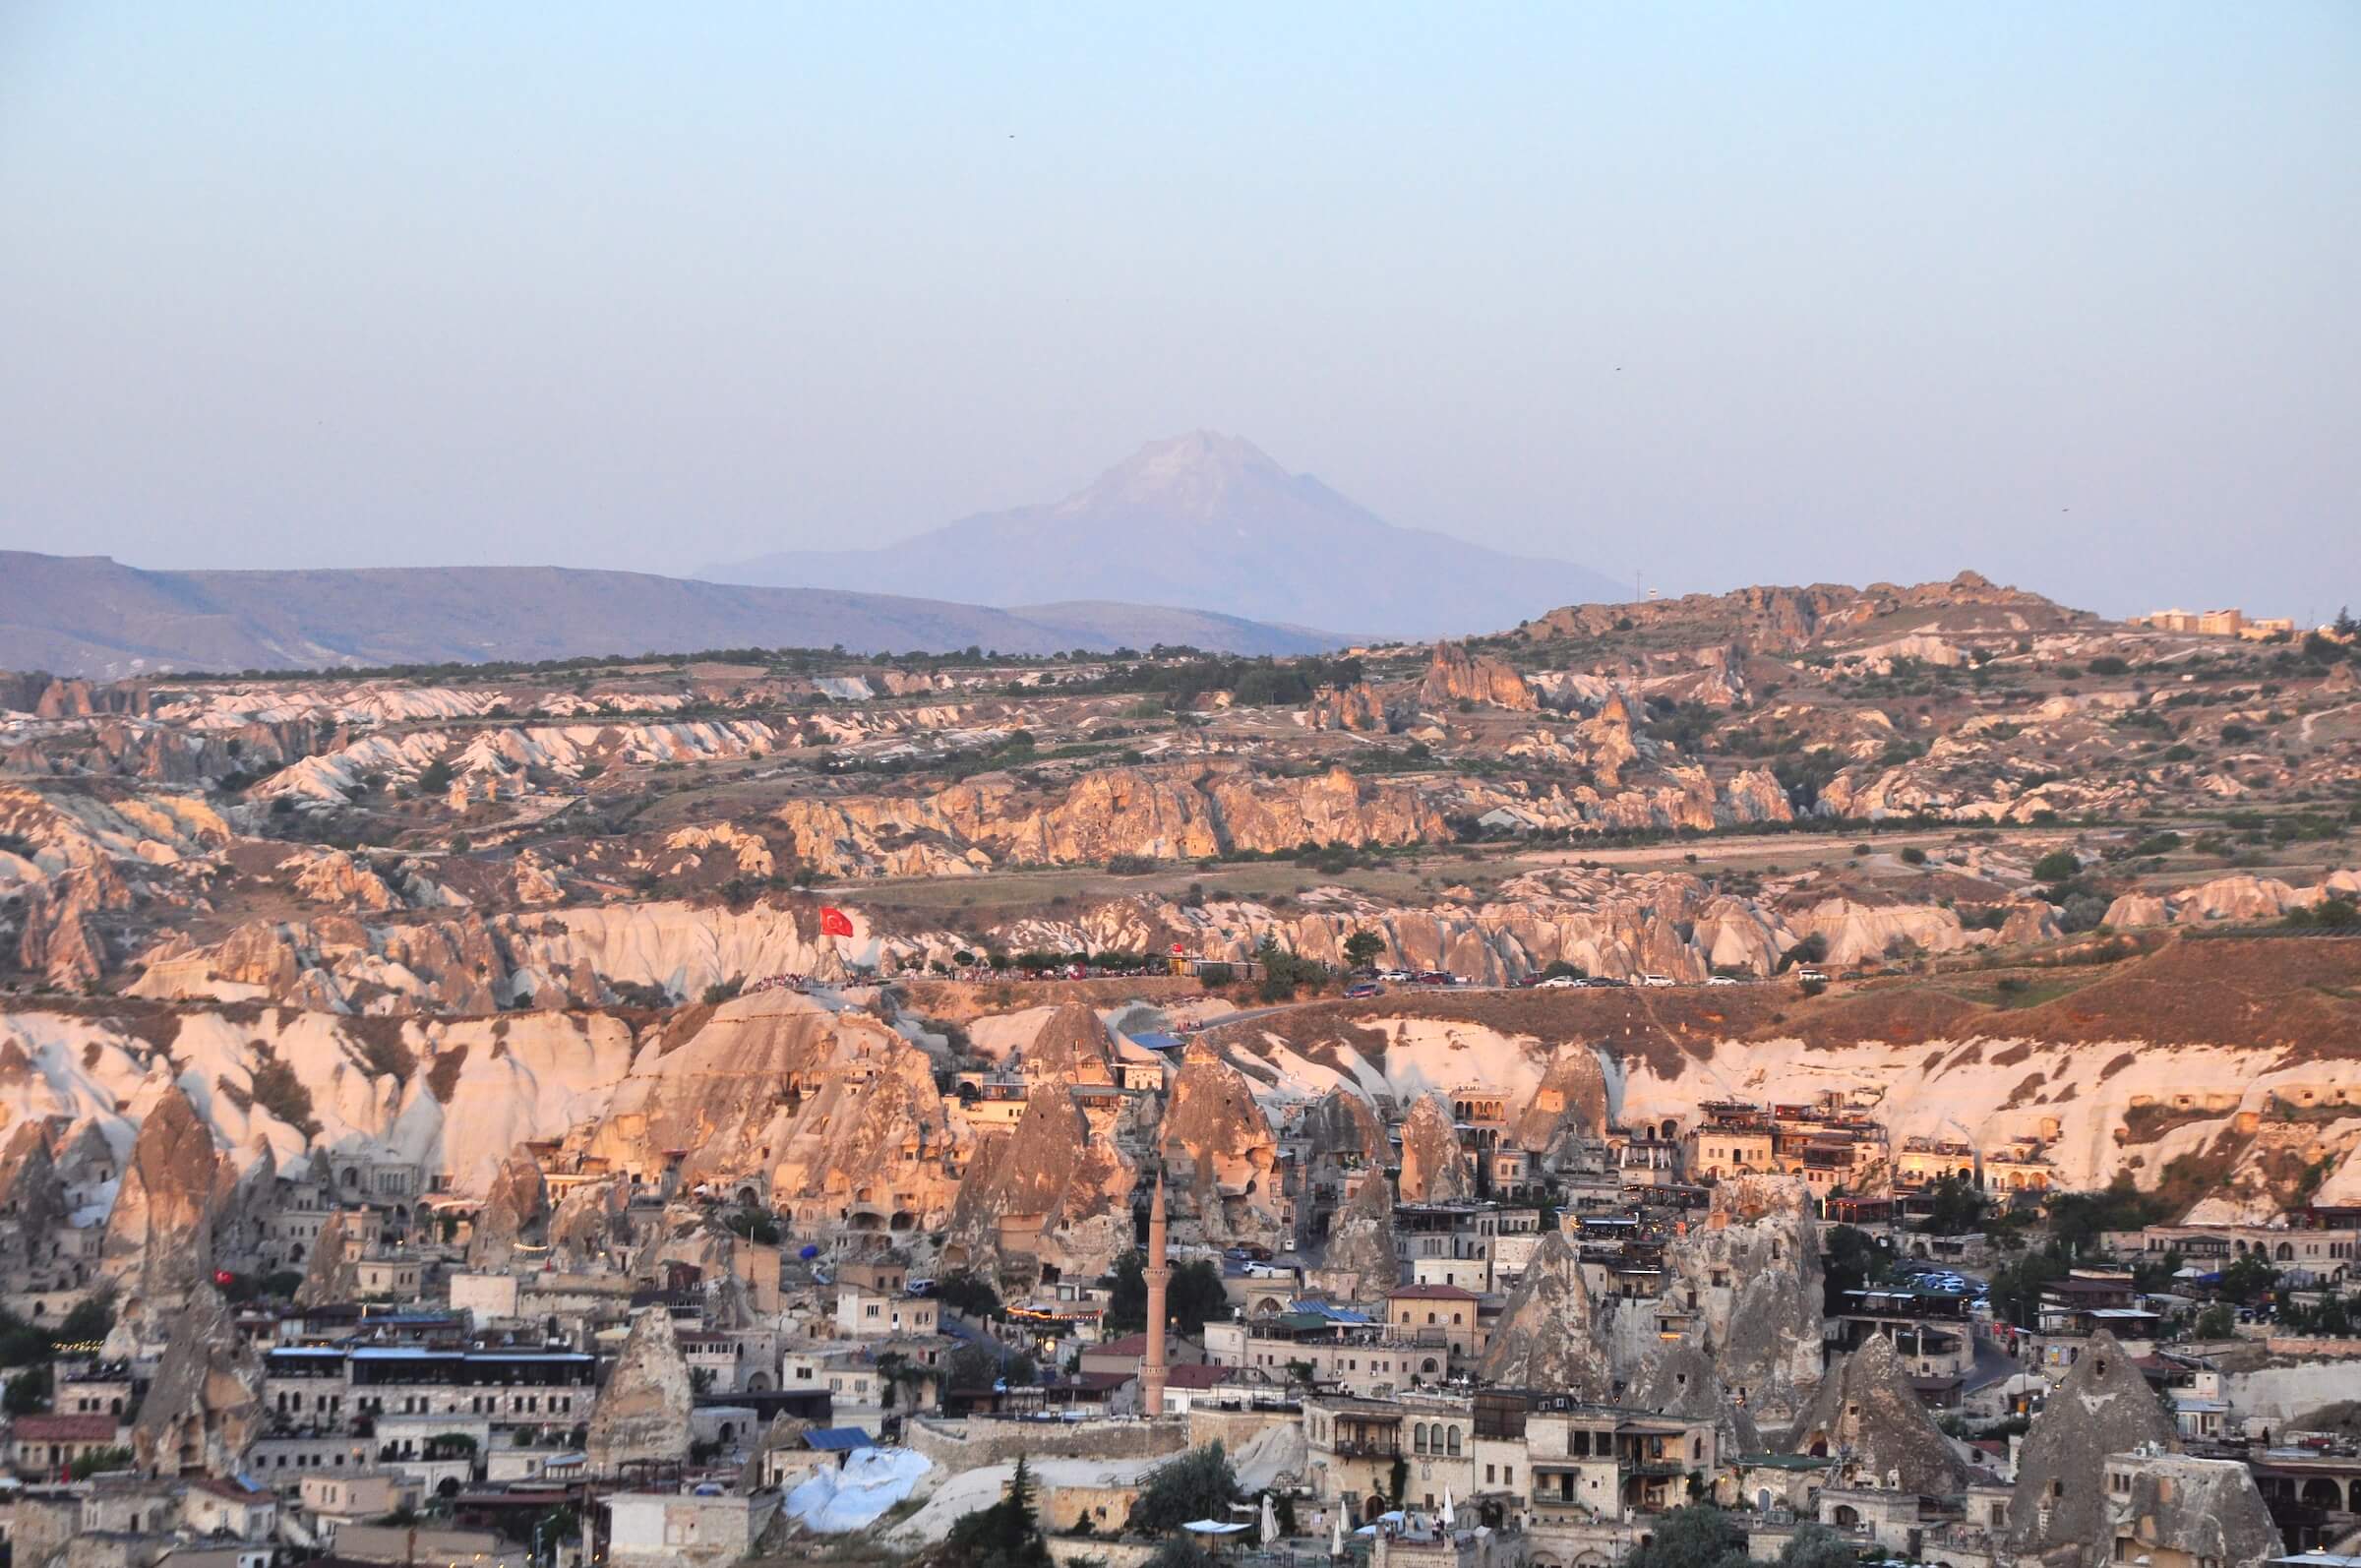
<point>1208,521</point>
<point>1200,474</point>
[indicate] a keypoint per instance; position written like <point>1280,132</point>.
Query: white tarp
<point>873,1481</point>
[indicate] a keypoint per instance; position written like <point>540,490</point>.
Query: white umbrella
<point>1336,1532</point>
<point>1448,1517</point>
<point>1270,1521</point>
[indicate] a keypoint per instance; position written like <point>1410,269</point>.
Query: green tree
<point>970,1293</point>
<point>1362,947</point>
<point>1197,1483</point>
<point>1194,1295</point>
<point>2058,865</point>
<point>1959,1206</point>
<point>2216,1322</point>
<point>2248,1277</point>
<point>1003,1535</point>
<point>27,1392</point>
<point>973,1365</point>
<point>1817,1547</point>
<point>1559,969</point>
<point>1851,1260</point>
<point>1698,1535</point>
<point>98,1458</point>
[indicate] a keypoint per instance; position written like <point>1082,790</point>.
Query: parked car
<point>1562,982</point>
<point>1658,980</point>
<point>1724,980</point>
<point>1812,976</point>
<point>1367,988</point>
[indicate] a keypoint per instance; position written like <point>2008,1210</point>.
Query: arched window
<point>1417,1438</point>
<point>1451,1435</point>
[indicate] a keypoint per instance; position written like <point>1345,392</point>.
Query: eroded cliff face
<point>1058,1167</point>
<point>1872,1422</point>
<point>1547,1336</point>
<point>1434,1169</point>
<point>1360,1240</point>
<point>1454,676</point>
<point>204,1406</point>
<point>827,1113</point>
<point>1171,812</point>
<point>158,1247</point>
<point>1221,1156</point>
<point>514,1212</point>
<point>643,1413</point>
<point>1754,1268</point>
<point>1571,1105</point>
<point>2101,1406</point>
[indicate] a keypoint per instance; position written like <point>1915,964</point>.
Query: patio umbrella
<point>1270,1521</point>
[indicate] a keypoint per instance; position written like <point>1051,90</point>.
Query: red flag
<point>835,921</point>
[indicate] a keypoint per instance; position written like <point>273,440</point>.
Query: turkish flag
<point>835,921</point>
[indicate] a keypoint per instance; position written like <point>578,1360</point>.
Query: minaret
<point>1158,1276</point>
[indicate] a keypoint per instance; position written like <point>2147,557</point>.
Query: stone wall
<point>2280,1393</point>
<point>963,1445</point>
<point>1234,1428</point>
<point>1068,1549</point>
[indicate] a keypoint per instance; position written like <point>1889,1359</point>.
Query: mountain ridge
<point>1236,529</point>
<point>95,616</point>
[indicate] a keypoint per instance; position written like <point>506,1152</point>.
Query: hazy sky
<point>2068,293</point>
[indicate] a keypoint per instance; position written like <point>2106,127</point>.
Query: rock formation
<point>2181,1509</point>
<point>1547,1339</point>
<point>1073,1046</point>
<point>642,1412</point>
<point>515,1211</point>
<point>32,1198</point>
<point>1434,1168</point>
<point>1342,1125</point>
<point>1453,675</point>
<point>1050,1166</point>
<point>591,1223</point>
<point>1360,1240</point>
<point>1221,1154</point>
<point>1570,1104</point>
<point>1347,708</point>
<point>1753,1268</point>
<point>206,1404</point>
<point>158,1248</point>
<point>332,1274</point>
<point>1680,1380</point>
<point>2103,1405</point>
<point>1868,1418</point>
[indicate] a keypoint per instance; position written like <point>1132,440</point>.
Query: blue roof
<point>838,1439</point>
<point>1331,1311</point>
<point>1156,1042</point>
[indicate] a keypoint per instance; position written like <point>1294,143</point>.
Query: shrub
<point>2058,865</point>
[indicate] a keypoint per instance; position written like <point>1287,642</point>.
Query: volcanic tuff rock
<point>331,1275</point>
<point>2200,1510</point>
<point>32,1196</point>
<point>1547,1334</point>
<point>1167,812</point>
<point>1342,1125</point>
<point>1221,1153</point>
<point>514,1210</point>
<point>1073,1046</point>
<point>158,1243</point>
<point>1360,1240</point>
<point>643,1413</point>
<point>1453,675</point>
<point>1434,1169</point>
<point>1680,1380</point>
<point>2103,1405</point>
<point>205,1403</point>
<point>1868,1418</point>
<point>823,1109</point>
<point>1570,1104</point>
<point>1055,1165</point>
<point>593,1223</point>
<point>1347,708</point>
<point>1754,1268</point>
